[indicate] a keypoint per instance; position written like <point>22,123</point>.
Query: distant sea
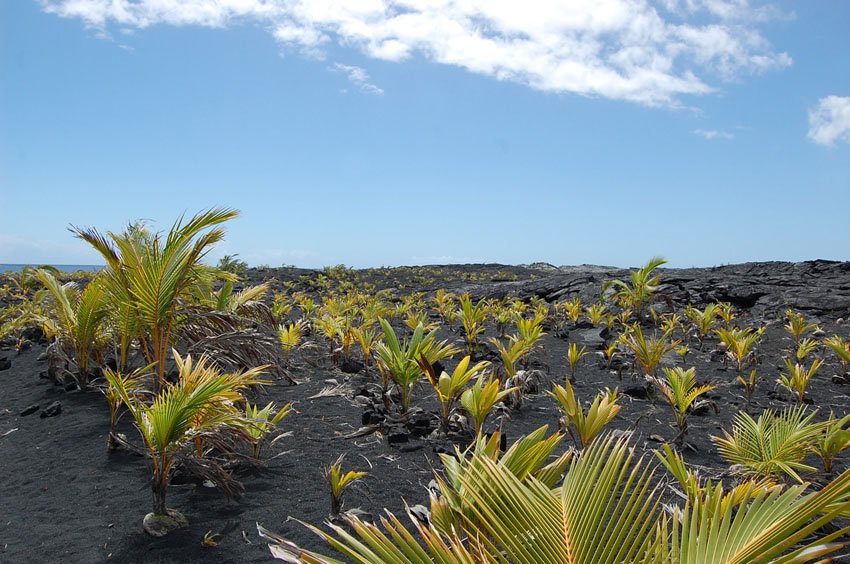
<point>62,267</point>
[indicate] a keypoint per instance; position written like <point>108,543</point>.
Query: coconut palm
<point>246,302</point>
<point>648,351</point>
<point>841,348</point>
<point>79,317</point>
<point>703,320</point>
<point>472,317</point>
<point>158,271</point>
<point>641,287</point>
<point>605,511</point>
<point>773,445</point>
<point>200,405</point>
<point>480,398</point>
<point>679,387</point>
<point>399,361</point>
<point>740,344</point>
<point>448,387</point>
<point>587,425</point>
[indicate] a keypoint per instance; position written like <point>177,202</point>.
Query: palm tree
<point>198,406</point>
<point>606,510</point>
<point>155,272</point>
<point>79,318</point>
<point>399,361</point>
<point>641,287</point>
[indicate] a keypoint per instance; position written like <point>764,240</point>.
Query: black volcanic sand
<point>63,497</point>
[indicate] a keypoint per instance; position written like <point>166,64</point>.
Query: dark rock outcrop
<point>818,287</point>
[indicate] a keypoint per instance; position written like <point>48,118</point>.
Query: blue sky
<point>384,133</point>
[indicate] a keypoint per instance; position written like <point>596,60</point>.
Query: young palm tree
<point>574,355</point>
<point>740,344</point>
<point>472,317</point>
<point>641,287</point>
<point>157,271</point>
<point>448,387</point>
<point>841,348</point>
<point>773,445</point>
<point>649,352</point>
<point>510,354</point>
<point>703,320</point>
<point>245,303</point>
<point>588,425</point>
<point>80,321</point>
<point>200,405</point>
<point>400,361</point>
<point>797,379</point>
<point>479,399</point>
<point>338,482</point>
<point>679,387</point>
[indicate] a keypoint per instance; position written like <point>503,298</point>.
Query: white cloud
<point>830,121</point>
<point>713,134</point>
<point>644,51</point>
<point>358,77</point>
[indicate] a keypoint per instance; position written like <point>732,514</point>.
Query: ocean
<point>62,267</point>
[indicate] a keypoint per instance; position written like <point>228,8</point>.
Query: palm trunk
<point>159,488</point>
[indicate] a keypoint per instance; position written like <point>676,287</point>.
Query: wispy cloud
<point>830,121</point>
<point>713,134</point>
<point>359,78</point>
<point>649,52</point>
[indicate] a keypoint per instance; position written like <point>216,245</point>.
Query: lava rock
<point>5,363</point>
<point>590,337</point>
<point>637,392</point>
<point>395,437</point>
<point>52,410</point>
<point>34,334</point>
<point>365,417</point>
<point>30,410</point>
<point>421,425</point>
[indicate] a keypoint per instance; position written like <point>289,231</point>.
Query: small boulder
<point>30,410</point>
<point>5,363</point>
<point>160,525</point>
<point>396,437</point>
<point>52,410</point>
<point>592,338</point>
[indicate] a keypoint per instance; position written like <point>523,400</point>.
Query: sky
<point>382,133</point>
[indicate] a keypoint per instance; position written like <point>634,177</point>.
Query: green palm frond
<point>641,287</point>
<point>755,523</point>
<point>157,272</point>
<point>773,445</point>
<point>796,379</point>
<point>679,387</point>
<point>200,404</point>
<point>80,318</point>
<point>588,425</point>
<point>605,511</point>
<point>479,399</point>
<point>648,351</point>
<point>448,387</point>
<point>400,361</point>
